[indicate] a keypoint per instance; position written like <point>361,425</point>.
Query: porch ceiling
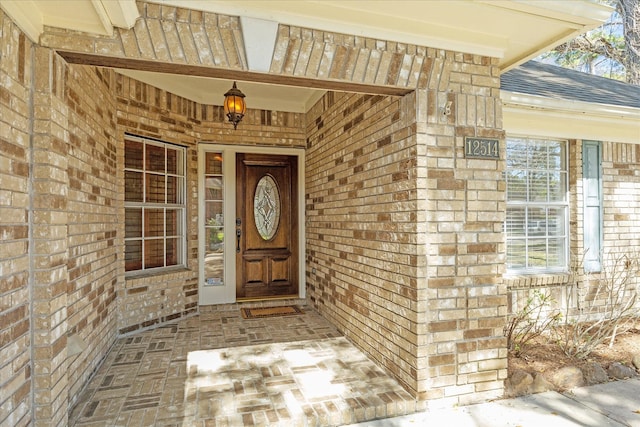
<point>511,30</point>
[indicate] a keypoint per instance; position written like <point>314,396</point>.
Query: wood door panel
<point>266,264</point>
<point>255,271</point>
<point>279,269</point>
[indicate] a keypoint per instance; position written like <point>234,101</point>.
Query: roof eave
<point>561,118</point>
<point>581,17</point>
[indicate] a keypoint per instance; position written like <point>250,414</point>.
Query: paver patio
<point>218,369</point>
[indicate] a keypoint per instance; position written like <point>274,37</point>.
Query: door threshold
<point>264,299</point>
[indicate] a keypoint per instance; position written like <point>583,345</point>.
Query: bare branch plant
<point>599,306</point>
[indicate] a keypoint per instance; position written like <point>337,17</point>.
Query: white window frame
<point>537,204</point>
<point>180,207</point>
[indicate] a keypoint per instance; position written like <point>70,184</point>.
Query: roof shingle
<point>551,81</point>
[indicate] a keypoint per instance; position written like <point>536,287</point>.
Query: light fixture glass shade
<point>234,105</point>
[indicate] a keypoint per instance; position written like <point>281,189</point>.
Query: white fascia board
<point>103,16</point>
<point>579,12</point>
<point>122,13</point>
<point>26,15</point>
<point>539,116</point>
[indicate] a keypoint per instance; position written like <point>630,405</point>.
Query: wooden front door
<point>266,226</point>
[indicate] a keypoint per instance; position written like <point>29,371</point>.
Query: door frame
<point>210,295</point>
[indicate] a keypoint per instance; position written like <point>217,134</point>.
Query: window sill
<point>134,275</point>
<point>522,281</point>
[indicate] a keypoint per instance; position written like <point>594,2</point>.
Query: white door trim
<point>209,295</point>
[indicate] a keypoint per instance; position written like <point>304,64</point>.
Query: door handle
<point>238,234</point>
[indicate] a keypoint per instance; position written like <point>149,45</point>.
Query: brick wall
<point>362,239</point>
<point>92,216</point>
<point>15,109</point>
<point>621,191</point>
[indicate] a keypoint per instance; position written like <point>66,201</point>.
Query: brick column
<point>465,351</point>
<point>50,278</point>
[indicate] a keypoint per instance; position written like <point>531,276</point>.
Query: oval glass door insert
<point>266,207</point>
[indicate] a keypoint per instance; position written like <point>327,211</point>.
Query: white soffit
<point>210,91</point>
<point>90,16</point>
<point>27,15</point>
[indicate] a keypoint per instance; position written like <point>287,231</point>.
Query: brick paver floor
<point>218,369</point>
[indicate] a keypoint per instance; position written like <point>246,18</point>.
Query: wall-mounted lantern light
<point>234,105</point>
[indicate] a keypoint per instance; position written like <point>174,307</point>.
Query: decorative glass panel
<point>266,207</point>
<point>213,186</point>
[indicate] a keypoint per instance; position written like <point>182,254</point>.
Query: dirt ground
<point>546,358</point>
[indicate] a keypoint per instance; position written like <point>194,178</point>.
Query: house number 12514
<point>481,148</point>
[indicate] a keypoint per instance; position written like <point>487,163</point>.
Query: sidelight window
<point>214,219</point>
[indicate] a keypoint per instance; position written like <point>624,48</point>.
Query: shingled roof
<point>551,81</point>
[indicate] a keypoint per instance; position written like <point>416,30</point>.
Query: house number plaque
<point>481,148</point>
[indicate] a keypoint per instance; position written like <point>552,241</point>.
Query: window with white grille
<point>154,177</point>
<point>537,205</point>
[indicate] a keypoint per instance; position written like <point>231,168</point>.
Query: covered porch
<point>401,244</point>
